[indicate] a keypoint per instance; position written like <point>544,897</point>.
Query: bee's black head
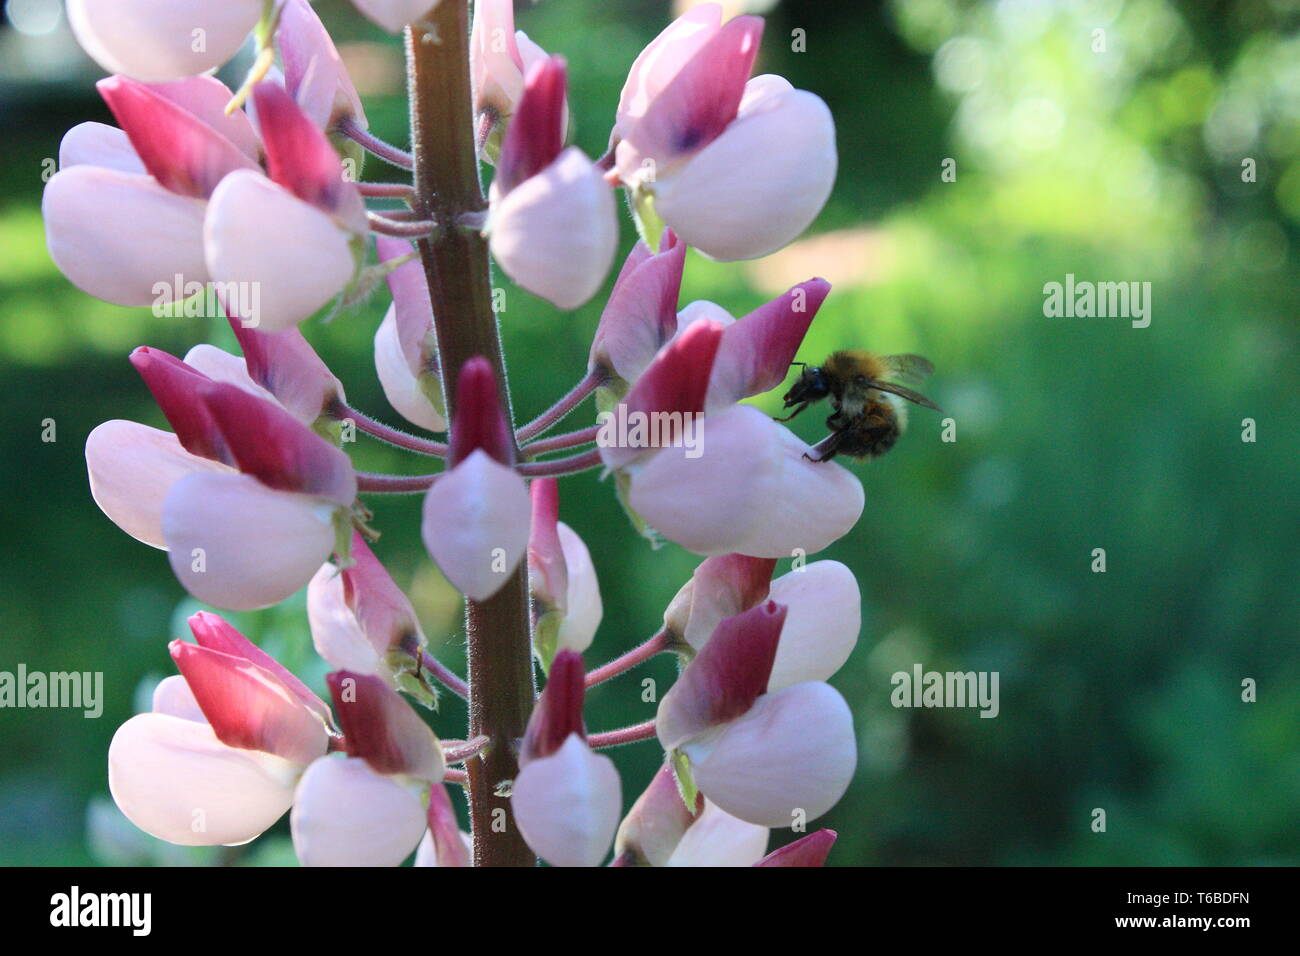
<point>810,387</point>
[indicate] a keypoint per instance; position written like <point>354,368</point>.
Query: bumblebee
<point>868,415</point>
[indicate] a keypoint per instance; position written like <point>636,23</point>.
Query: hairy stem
<point>568,403</point>
<point>373,144</point>
<point>560,442</point>
<point>624,735</point>
<point>387,433</point>
<point>572,465</point>
<point>447,185</point>
<point>444,675</point>
<point>661,642</point>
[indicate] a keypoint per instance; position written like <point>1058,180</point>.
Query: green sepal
<point>686,787</point>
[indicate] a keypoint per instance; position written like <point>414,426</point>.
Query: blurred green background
<point>1120,690</point>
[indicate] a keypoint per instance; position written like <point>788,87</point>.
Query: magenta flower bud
<point>562,578</point>
<point>551,224</point>
<point>285,364</point>
<point>406,352</point>
<point>175,386</point>
<point>676,381</point>
<point>811,850</point>
<point>299,157</point>
<point>314,74</point>
<point>248,706</point>
<point>382,729</point>
<point>214,633</point>
<point>536,134</point>
<point>268,443</point>
<point>558,711</point>
<point>481,423</point>
<point>443,843</point>
<point>154,40</point>
<point>182,152</point>
<point>725,678</point>
<point>641,314</point>
<point>756,351</point>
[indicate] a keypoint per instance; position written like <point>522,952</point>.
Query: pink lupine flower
<point>640,316</point>
<point>690,118</point>
<point>566,798</point>
<point>293,236</point>
<point>660,831</point>
<point>158,40</point>
<point>366,808</point>
<point>247,501</point>
<point>823,613</point>
<point>811,850</point>
<point>552,223</point>
<point>314,73</point>
<point>752,490</point>
<point>562,578</point>
<point>772,758</point>
<point>360,619</point>
<point>217,759</point>
<point>159,169</point>
<point>476,515</point>
<point>500,58</point>
<point>392,15</point>
<point>406,353</point>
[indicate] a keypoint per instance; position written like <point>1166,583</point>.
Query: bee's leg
<point>826,449</point>
<point>801,406</point>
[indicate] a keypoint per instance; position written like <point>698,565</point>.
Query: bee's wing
<point>906,393</point>
<point>913,369</point>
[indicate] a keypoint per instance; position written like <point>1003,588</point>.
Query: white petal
<point>401,387</point>
<point>174,780</point>
<point>345,814</point>
<point>337,636</point>
<point>821,624</point>
<point>97,144</point>
<point>173,696</point>
<point>118,235</point>
<point>789,758</point>
<point>290,258</point>
<point>716,838</point>
<point>758,185</point>
<point>583,608</point>
<point>476,520</point>
<point>749,490</point>
<point>132,467</point>
<point>237,544</point>
<point>159,40</point>
<point>567,805</point>
<point>392,15</point>
<point>426,854</point>
<point>555,233</point>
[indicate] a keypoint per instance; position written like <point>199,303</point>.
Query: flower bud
<point>567,804</point>
<point>811,850</point>
<point>562,579</point>
<point>476,514</point>
<point>552,224</point>
<point>286,365</point>
<point>314,74</point>
<point>382,729</point>
<point>641,313</point>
